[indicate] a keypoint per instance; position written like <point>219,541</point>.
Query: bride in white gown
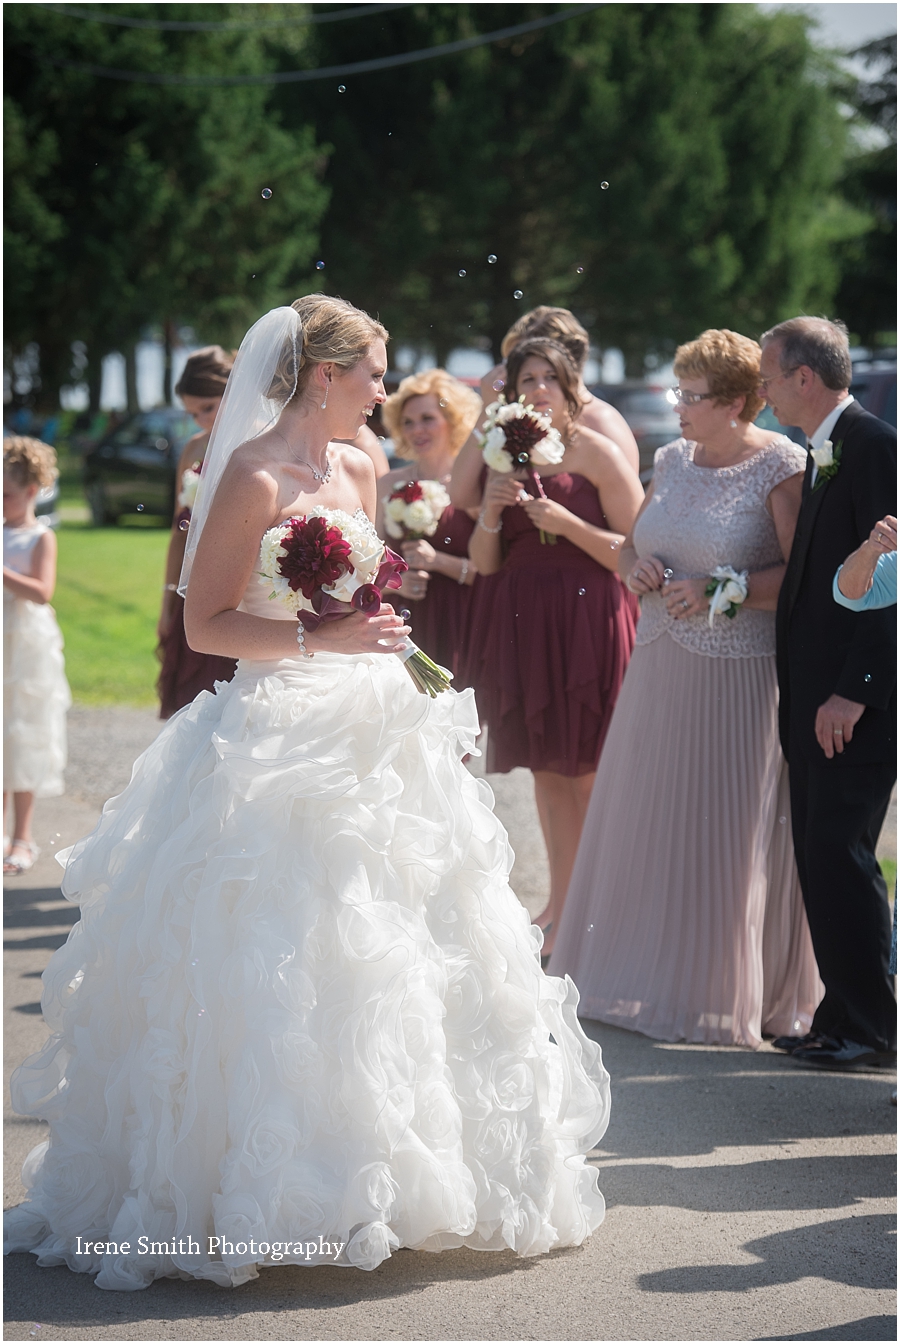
<point>302,1018</point>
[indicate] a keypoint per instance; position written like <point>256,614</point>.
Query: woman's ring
<point>837,732</point>
<point>684,603</point>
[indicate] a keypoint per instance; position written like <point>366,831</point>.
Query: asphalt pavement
<point>748,1198</point>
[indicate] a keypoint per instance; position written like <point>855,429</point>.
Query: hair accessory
<point>301,641</point>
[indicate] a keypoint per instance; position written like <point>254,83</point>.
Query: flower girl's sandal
<point>28,852</point>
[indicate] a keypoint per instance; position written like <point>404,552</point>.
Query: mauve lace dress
<point>684,918</point>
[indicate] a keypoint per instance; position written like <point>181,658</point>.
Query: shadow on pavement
<point>870,1327</point>
<point>72,1299</point>
<point>803,1252</point>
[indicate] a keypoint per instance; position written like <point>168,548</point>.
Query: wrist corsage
<point>826,459</point>
<point>726,590</point>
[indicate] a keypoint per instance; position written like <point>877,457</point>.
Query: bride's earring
<point>325,402</point>
<point>733,424</point>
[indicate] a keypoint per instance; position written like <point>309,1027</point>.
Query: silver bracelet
<point>301,641</point>
<point>484,527</point>
<point>463,573</point>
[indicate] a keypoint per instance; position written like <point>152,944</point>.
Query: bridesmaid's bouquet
<point>516,436</point>
<point>413,509</point>
<point>327,564</point>
<point>190,483</point>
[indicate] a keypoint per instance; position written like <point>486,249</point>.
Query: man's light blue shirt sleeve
<point>883,592</point>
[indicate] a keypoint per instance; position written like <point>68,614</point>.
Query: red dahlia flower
<point>317,555</point>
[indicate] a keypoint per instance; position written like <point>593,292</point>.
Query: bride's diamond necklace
<point>323,476</point>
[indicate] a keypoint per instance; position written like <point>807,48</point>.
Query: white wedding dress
<point>302,1002</point>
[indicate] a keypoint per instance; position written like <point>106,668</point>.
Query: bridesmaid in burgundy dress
<point>429,418</point>
<point>184,673</point>
<point>550,652</point>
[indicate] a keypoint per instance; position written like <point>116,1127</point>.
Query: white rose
<point>437,496</point>
<point>394,509</point>
<point>497,459</point>
<point>733,592</point>
<point>392,528</point>
<point>549,451</point>
<point>418,516</point>
<point>190,480</point>
<point>495,437</point>
<point>824,456</point>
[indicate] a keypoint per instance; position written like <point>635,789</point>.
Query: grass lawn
<point>107,600</point>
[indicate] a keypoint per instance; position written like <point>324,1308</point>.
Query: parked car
<point>649,415</point>
<point>132,469</point>
<point>875,388</point>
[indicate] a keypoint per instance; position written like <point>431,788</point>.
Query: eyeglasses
<point>763,384</point>
<point>676,396</point>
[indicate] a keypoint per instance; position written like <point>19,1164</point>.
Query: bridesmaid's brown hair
<point>557,356</point>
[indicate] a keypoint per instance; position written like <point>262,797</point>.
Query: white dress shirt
<point>824,430</point>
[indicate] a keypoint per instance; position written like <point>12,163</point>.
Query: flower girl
<point>35,691</point>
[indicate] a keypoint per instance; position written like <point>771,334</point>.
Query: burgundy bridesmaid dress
<point>440,621</point>
<point>550,639</point>
<point>184,673</point>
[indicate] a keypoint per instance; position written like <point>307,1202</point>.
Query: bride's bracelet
<point>484,527</point>
<point>301,641</point>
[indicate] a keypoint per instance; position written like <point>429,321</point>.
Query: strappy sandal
<point>14,867</point>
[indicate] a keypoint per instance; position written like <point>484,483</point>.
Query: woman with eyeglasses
<point>684,918</point>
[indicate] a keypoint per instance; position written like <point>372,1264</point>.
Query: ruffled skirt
<point>303,1006</point>
<point>35,700</point>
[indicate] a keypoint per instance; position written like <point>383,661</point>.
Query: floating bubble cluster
<point>492,260</point>
<point>266,193</point>
<point>517,294</point>
<point>320,265</point>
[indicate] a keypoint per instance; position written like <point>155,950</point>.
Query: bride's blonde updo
<point>333,332</point>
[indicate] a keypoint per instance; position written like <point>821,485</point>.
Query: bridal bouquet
<point>413,509</point>
<point>726,590</point>
<point>515,435</point>
<point>327,564</point>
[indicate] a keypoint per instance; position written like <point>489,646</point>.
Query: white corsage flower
<point>824,456</point>
<point>727,591</point>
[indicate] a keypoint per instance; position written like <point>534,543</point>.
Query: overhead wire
<point>201,26</point>
<point>321,72</point>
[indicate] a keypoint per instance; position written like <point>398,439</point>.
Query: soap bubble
<point>266,193</point>
<point>320,265</point>
<point>579,270</point>
<point>581,592</point>
<point>492,260</point>
<point>447,541</point>
<point>604,186</point>
<point>517,294</point>
<point>498,384</point>
<point>342,88</point>
<point>183,525</point>
<point>140,508</point>
<point>443,401</point>
<point>461,274</point>
<point>405,614</point>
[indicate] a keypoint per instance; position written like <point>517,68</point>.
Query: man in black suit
<point>837,684</point>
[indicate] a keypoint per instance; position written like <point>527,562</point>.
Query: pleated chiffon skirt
<point>684,918</point>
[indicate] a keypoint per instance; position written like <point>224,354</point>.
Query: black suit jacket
<point>822,648</point>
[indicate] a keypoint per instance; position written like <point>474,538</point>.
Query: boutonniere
<point>826,459</point>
